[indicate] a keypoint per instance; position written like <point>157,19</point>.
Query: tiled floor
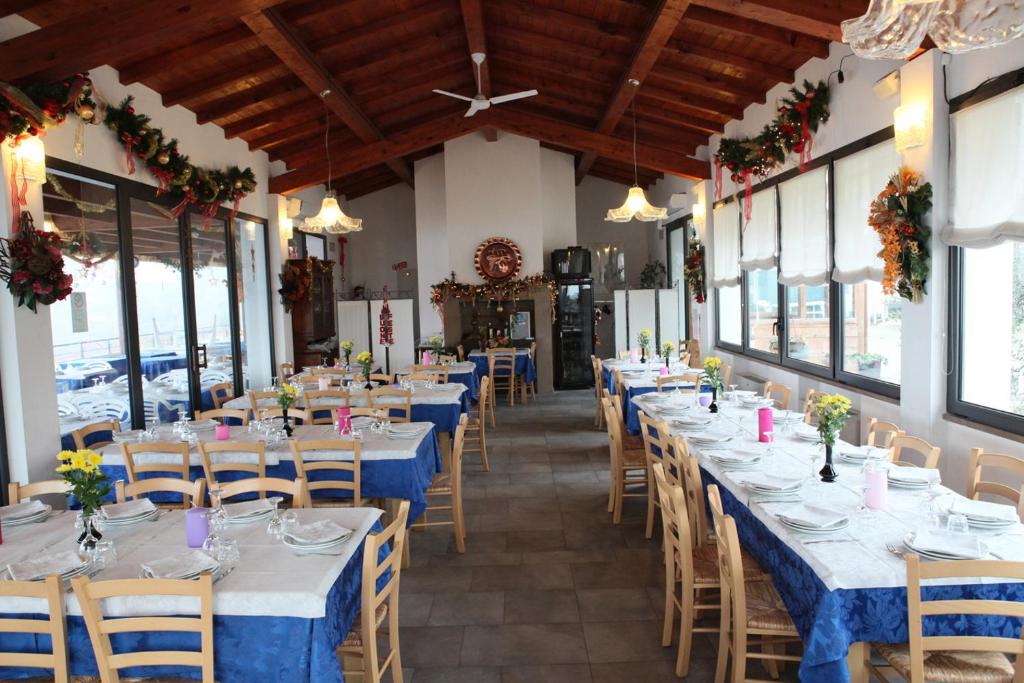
<point>549,591</point>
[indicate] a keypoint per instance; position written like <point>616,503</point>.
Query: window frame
<point>684,223</point>
<point>834,371</point>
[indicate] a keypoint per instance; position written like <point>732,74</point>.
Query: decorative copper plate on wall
<point>498,259</point>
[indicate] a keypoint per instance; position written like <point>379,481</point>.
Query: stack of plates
<point>772,486</point>
<point>404,430</point>
<point>187,565</point>
<point>248,511</point>
<point>814,519</point>
<point>733,460</point>
<point>418,383</point>
<point>362,422</point>
<point>202,425</point>
<point>130,512</point>
<point>316,537</point>
<point>807,433</point>
<point>914,478</point>
<point>129,436</point>
<point>708,439</point>
<point>67,564</point>
<point>786,416</point>
<point>945,545</point>
<point>691,422</point>
<point>741,393</point>
<point>24,513</point>
<point>673,408</point>
<point>861,454</point>
<point>755,401</point>
<point>983,515</point>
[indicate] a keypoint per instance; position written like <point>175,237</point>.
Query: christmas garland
<point>693,270</point>
<point>32,266</point>
<point>297,281</point>
<point>799,115</point>
<point>512,289</point>
<point>897,215</point>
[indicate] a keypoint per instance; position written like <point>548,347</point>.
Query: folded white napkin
<point>247,508</point>
<point>770,482</point>
<point>21,510</point>
<point>914,475</point>
<point>865,452</point>
<point>691,421</point>
<point>805,514</point>
<point>323,531</point>
<point>982,510</point>
<point>40,567</point>
<point>734,456</point>
<point>127,509</point>
<point>180,565</point>
<point>962,546</point>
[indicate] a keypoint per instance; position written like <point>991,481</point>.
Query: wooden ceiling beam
<point>750,68</point>
<point>273,32</point>
<point>790,41</point>
<point>354,160</point>
<point>666,17</point>
<point>263,68</point>
<point>817,19</point>
<point>278,91</point>
<point>476,38</point>
<point>666,77</point>
<point>103,36</point>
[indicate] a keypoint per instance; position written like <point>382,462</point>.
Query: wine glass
<point>769,457</point>
<point>275,527</point>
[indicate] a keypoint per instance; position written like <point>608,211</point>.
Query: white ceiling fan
<point>479,102</point>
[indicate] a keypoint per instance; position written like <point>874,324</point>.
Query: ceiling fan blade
<point>514,96</point>
<point>470,112</point>
<point>451,94</point>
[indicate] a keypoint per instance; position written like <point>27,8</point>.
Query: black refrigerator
<point>574,333</point>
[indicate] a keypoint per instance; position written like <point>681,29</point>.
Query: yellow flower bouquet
<point>286,396</point>
<point>346,350</point>
<point>713,372</point>
<point>81,471</point>
<point>365,361</point>
<point>833,410</point>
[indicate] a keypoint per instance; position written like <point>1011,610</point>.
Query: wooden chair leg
<point>739,658</point>
<point>670,603</point>
<point>723,647</point>
<point>649,531</point>
<point>688,616</point>
<point>619,491</point>
<point>611,493</point>
<point>460,526</point>
<point>770,665</point>
<point>483,449</point>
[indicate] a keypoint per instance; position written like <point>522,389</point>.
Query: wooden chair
<point>487,386</point>
<point>462,352</point>
<point>688,577</point>
<point>207,449</point>
<point>1008,464</point>
<point>447,358</point>
<point>887,431</point>
<point>619,389</point>
<point>223,414</point>
<point>325,402</point>
<point>628,465</point>
<point>623,355</point>
<point>902,443</point>
<point>285,370</point>
<point>108,426</point>
<point>296,415</point>
<point>398,403</point>
<point>337,463</point>
<point>501,368</point>
<point>383,378</point>
<point>221,393</point>
<point>194,490</point>
<point>256,396</point>
<point>448,484</point>
<point>656,440</point>
<point>810,407</point>
<point>748,608</point>
<point>476,426</point>
<point>668,382</point>
<point>629,441</point>
<point>18,492</point>
<point>52,592</point>
<point>379,602</point>
<point>726,374</point>
<point>91,595</point>
<point>530,388</point>
<point>595,362</point>
<point>179,469</point>
<point>955,657</point>
<point>294,488</point>
<point>779,393</point>
<point>439,372</point>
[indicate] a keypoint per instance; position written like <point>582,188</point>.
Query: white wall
<point>431,238</point>
<point>558,202</point>
<point>594,196</point>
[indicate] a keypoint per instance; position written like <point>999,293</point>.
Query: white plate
<point>202,425</point>
<point>126,521</point>
<point>814,531</point>
<point>32,519</point>
<point>908,543</point>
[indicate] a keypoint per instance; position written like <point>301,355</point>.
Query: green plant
<point>81,471</point>
<point>833,411</point>
<point>867,359</point>
<point>653,275</point>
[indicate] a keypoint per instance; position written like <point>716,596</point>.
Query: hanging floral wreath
<point>296,284</point>
<point>798,117</point>
<point>506,290</point>
<point>32,266</point>
<point>897,215</point>
<point>693,270</point>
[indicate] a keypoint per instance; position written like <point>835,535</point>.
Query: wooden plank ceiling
<point>257,68</point>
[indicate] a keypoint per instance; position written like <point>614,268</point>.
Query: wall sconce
<point>285,228</point>
<point>699,214</point>
<point>911,124</point>
<point>30,155</point>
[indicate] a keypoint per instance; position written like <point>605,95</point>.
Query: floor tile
<point>515,644</point>
<point>541,607</point>
<point>465,609</point>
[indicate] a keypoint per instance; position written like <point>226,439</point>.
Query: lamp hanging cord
<point>632,104</point>
<point>327,138</point>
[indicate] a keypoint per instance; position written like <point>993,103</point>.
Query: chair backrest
<point>730,564</point>
<point>440,372</point>
<point>18,492</point>
<point>376,591</point>
<point>324,402</point>
<point>333,373</point>
<point>901,443</point>
<point>615,443</point>
<point>285,370</point>
<point>675,526</point>
<point>595,364</point>
<point>91,595</point>
<point>694,491</point>
<point>255,396</point>
<point>1010,466</point>
<point>381,377</point>
<point>215,463</point>
<point>462,352</point>
<point>447,358</point>
<point>294,414</point>
<point>224,414</point>
<point>624,354</point>
<point>501,363</point>
<point>918,609</point>
<point>79,435</point>
<point>810,409</point>
<point>669,381</point>
<point>398,402</point>
<point>340,462</point>
<point>178,468</point>
<point>195,491</point>
<point>619,388</point>
<point>886,431</point>
<point>619,414</point>
<point>295,488</point>
<point>655,437</point>
<point>52,592</point>
<point>779,393</point>
<point>220,393</point>
<point>453,463</point>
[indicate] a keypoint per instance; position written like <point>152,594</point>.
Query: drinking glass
<point>957,524</point>
<point>228,554</point>
<point>104,554</point>
<point>289,521</point>
<point>274,527</point>
<point>769,456</point>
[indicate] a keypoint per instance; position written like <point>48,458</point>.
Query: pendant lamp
<point>330,218</point>
<point>636,205</point>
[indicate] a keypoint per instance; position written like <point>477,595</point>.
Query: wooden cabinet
<point>313,318</point>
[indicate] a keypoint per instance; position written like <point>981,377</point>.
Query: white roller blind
<point>760,250</point>
<point>859,179</point>
<point>804,251</point>
<point>988,166</point>
<point>726,246</point>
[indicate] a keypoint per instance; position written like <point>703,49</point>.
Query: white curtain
<point>726,246</point>
<point>859,179</point>
<point>804,251</point>
<point>987,171</point>
<point>760,250</point>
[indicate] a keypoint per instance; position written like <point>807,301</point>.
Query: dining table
<point>525,367</point>
<point>629,365</point>
<point>462,372</point>
<point>639,382</point>
<point>390,468</point>
<point>277,615</point>
<point>844,588</point>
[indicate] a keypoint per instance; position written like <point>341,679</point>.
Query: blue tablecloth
<point>524,366</point>
<point>471,380</point>
<point>445,416</point>
<point>407,478</point>
<point>632,413</point>
<point>829,621</point>
<point>264,648</point>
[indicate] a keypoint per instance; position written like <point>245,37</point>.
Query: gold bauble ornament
<point>163,158</point>
<point>86,112</point>
<point>238,184</point>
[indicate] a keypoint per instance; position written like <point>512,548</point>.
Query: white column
<point>26,363</point>
<point>277,223</point>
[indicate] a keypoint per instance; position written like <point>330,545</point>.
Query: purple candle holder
<point>704,400</point>
<point>197,526</point>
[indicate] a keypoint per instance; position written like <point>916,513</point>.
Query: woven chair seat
<point>354,641</point>
<point>633,457</point>
<point>765,609</point>
<point>946,666</point>
<point>442,484</point>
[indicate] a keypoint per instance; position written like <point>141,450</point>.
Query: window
<point>807,325</point>
<point>872,325</point>
<point>730,314</point>
<point>725,275</point>
<point>763,310</point>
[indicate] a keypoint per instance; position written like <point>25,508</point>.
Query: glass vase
<point>714,400</point>
<point>828,472</point>
<point>287,424</point>
<point>90,534</point>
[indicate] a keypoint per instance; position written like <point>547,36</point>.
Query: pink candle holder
<point>876,488</point>
<point>425,358</point>
<point>662,371</point>
<point>222,432</point>
<point>323,383</point>
<point>764,424</point>
<point>344,421</point>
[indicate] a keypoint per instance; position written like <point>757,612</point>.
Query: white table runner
<point>441,394</point>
